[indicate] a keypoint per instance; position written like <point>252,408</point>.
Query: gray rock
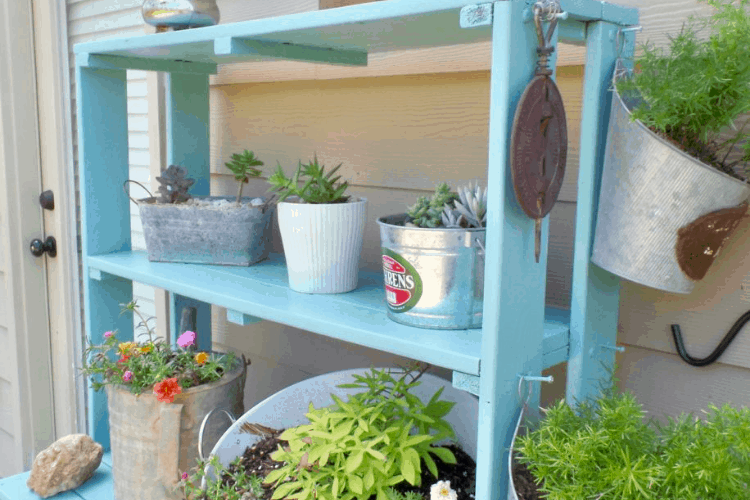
<point>65,464</point>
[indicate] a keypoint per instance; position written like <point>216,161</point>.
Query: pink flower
<point>184,476</point>
<point>186,339</point>
<point>108,334</point>
<point>127,376</point>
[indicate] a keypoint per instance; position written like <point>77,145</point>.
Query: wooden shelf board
<point>358,316</point>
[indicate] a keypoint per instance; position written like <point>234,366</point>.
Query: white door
<point>39,298</point>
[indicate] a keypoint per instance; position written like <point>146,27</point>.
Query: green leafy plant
<point>359,448</point>
<point>319,187</point>
<point>227,483</point>
<point>605,449</point>
<point>152,364</point>
<point>243,166</point>
<point>699,87</point>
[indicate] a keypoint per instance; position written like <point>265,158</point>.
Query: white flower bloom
<point>442,491</point>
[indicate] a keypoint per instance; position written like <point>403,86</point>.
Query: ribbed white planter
<point>322,244</point>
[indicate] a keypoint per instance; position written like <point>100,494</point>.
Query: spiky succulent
<point>174,185</point>
<point>428,212</point>
<point>472,204</point>
<point>320,187</point>
<point>242,166</point>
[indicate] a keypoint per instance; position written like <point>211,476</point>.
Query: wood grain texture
<point>705,315</point>
<point>395,132</point>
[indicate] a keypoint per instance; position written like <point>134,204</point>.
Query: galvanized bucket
<point>228,235</point>
<point>650,191</point>
<point>434,278</point>
<point>153,442</point>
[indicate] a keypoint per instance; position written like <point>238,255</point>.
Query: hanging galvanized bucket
<point>663,215</point>
<point>434,278</point>
<point>154,442</point>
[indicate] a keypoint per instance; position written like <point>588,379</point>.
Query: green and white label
<point>403,285</point>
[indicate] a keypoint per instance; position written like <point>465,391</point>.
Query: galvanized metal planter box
<point>434,278</point>
<point>154,442</point>
<point>225,235</point>
<point>663,215</point>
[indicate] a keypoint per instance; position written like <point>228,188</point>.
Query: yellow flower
<point>201,358</point>
<point>127,347</point>
<point>146,349</point>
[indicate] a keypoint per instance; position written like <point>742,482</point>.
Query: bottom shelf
<point>98,487</point>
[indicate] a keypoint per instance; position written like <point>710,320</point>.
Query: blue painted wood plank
<point>14,488</point>
<point>120,62</point>
<point>241,319</point>
<point>514,290</point>
<point>595,292</point>
<point>377,26</point>
<point>262,290</point>
<point>103,157</point>
<point>202,320</point>
<point>283,50</point>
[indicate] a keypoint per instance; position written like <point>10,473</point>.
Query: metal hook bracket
<point>723,345</point>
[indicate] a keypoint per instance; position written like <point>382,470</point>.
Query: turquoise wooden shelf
<point>519,336</point>
<point>358,316</point>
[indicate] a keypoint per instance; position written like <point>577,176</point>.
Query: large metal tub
<point>434,278</point>
<point>650,190</point>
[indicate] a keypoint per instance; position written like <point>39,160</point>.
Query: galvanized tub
<point>152,442</point>
<point>225,235</point>
<point>434,278</point>
<point>650,190</point>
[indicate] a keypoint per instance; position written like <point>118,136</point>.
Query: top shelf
<point>338,36</point>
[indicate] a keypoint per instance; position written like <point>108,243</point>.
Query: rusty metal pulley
<point>539,139</point>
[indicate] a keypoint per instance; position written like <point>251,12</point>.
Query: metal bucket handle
<point>203,426</point>
<point>125,188</point>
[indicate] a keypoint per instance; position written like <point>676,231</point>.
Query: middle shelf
<point>359,316</point>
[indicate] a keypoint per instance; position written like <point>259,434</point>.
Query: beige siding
<point>99,19</point>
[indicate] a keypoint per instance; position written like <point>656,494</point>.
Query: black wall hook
<point>728,338</point>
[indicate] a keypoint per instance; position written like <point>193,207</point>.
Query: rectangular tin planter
<point>434,278</point>
<point>225,235</point>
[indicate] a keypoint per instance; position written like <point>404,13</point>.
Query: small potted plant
<point>321,228</point>
<point>339,429</point>
<point>677,156</point>
<point>157,398</point>
<point>207,229</point>
<point>433,259</point>
<point>605,449</point>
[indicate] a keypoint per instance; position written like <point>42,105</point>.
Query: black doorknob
<point>38,247</point>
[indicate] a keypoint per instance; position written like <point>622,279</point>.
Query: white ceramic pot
<point>287,408</point>
<point>322,244</point>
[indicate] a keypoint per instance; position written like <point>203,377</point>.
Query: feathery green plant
<point>243,166</point>
<point>698,87</point>
<point>320,187</point>
<point>605,449</point>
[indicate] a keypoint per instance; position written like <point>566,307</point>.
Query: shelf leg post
<point>103,168</point>
<point>514,291</point>
<point>202,320</point>
<point>187,117</point>
<point>595,296</point>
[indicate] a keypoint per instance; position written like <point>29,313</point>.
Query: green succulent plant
<point>319,187</point>
<point>427,212</point>
<point>243,166</point>
<point>467,208</point>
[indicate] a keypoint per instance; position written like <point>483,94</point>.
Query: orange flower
<point>126,348</point>
<point>166,390</point>
<point>201,358</point>
<point>146,349</point>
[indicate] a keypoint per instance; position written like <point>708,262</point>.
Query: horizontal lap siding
<point>96,20</point>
